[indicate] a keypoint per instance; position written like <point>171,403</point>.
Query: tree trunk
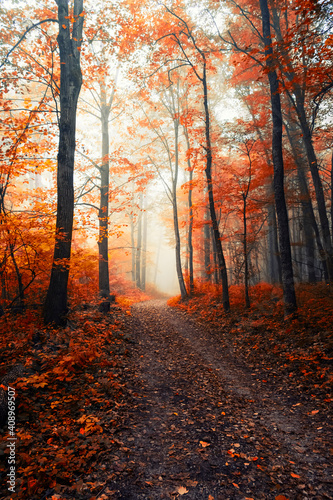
<point>310,227</point>
<point>103,216</point>
<point>274,261</point>
<point>280,202</point>
<point>182,287</point>
<point>55,307</point>
<point>133,248</point>
<point>296,97</point>
<point>190,225</point>
<point>144,247</point>
<point>208,171</point>
<point>138,247</point>
<point>207,245</point>
<point>246,263</point>
<point>320,197</point>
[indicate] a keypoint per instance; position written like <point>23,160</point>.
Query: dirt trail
<point>199,425</point>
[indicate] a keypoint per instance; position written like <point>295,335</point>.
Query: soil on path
<point>198,424</point>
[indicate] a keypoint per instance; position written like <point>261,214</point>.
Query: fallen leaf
<point>294,475</point>
<point>281,497</point>
<point>182,490</point>
<point>235,485</point>
<point>204,444</point>
<point>210,497</point>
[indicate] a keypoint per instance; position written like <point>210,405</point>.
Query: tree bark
<point>274,262</point>
<point>138,246</point>
<point>207,253</point>
<point>190,225</point>
<point>103,216</point>
<point>310,227</point>
<point>280,202</point>
<point>320,197</point>
<point>245,252</point>
<point>297,97</point>
<point>144,247</point>
<point>55,307</point>
<point>183,291</point>
<point>208,171</point>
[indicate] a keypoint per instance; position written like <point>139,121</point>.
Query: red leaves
<point>61,400</point>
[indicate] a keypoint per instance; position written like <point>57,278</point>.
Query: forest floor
<point>200,423</point>
<point>157,403</point>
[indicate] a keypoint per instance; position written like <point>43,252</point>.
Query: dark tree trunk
<point>182,287</point>
<point>190,234</point>
<point>207,234</point>
<point>103,216</point>
<point>190,225</point>
<point>216,264</point>
<point>297,100</point>
<point>310,227</point>
<point>245,252</point>
<point>275,272</point>
<point>144,247</point>
<point>280,202</point>
<point>55,307</point>
<point>320,197</point>
<point>133,248</point>
<point>138,247</point>
<point>181,281</point>
<point>208,170</point>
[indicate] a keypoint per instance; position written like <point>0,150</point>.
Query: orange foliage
<point>300,347</point>
<point>67,402</point>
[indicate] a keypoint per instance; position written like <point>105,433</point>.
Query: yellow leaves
<point>34,380</point>
<point>91,424</point>
<point>181,490</point>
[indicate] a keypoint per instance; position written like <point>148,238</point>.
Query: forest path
<point>199,425</point>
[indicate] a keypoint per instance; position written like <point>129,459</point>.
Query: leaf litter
<point>164,408</point>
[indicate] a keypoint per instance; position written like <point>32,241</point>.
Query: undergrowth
<point>68,398</point>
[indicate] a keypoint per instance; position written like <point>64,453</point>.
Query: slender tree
<point>280,202</point>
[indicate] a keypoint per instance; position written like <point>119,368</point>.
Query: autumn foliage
<point>299,348</point>
<point>204,127</point>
